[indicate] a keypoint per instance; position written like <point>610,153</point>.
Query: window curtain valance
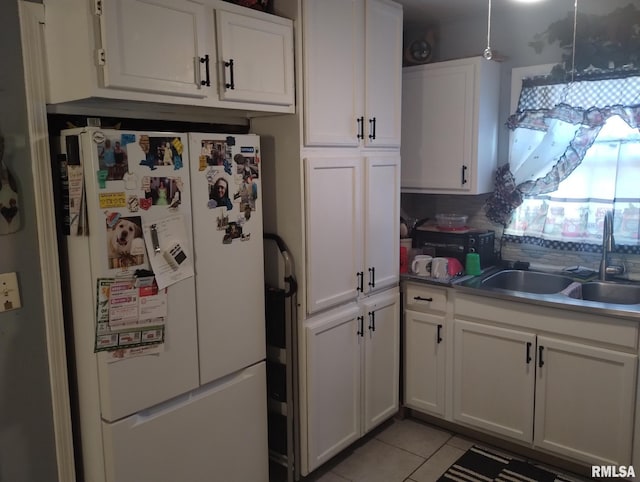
<point>554,126</point>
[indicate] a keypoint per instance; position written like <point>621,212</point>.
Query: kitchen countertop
<point>470,285</point>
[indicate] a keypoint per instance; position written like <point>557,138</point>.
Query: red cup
<point>404,260</point>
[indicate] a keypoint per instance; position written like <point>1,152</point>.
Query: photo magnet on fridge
<point>125,243</point>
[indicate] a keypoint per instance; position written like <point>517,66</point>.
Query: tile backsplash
<point>419,206</point>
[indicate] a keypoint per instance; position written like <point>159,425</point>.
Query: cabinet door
<point>333,63</point>
<point>437,123</point>
<point>255,59</point>
<point>493,376</point>
<point>382,223</point>
<point>155,46</point>
<point>424,362</point>
<point>383,73</point>
<point>585,402</point>
<point>333,384</point>
<point>381,358</point>
<point>333,230</point>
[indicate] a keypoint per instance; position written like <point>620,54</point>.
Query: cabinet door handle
<point>420,298</point>
<point>540,360</point>
<point>439,334</point>
<point>360,122</point>
<point>231,84</point>
<point>372,277</point>
<point>528,358</point>
<point>205,60</point>
<point>464,174</point>
<point>372,128</point>
<point>360,331</point>
<point>372,320</point>
<point>360,276</point>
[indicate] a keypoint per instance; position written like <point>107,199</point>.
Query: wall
<point>513,27</point>
<point>27,451</point>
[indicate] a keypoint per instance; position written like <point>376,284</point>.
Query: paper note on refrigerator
<point>131,313</point>
<point>167,243</point>
<point>77,206</point>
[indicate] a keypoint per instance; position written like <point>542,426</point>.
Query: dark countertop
<point>471,285</point>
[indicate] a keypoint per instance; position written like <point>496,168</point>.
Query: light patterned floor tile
<point>328,477</point>
<point>414,436</point>
<point>460,442</point>
<point>437,464</point>
<point>376,461</point>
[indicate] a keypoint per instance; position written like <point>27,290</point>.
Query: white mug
<point>440,268</point>
<point>421,265</point>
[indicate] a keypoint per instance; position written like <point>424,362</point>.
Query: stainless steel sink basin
<point>606,292</point>
<point>527,281</point>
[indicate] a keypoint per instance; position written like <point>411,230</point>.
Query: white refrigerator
<point>164,246</point>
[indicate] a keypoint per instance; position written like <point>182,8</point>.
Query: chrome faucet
<point>608,244</point>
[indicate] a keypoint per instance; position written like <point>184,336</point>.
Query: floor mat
<point>479,465</point>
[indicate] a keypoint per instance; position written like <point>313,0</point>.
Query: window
<point>606,179</point>
<point>574,155</point>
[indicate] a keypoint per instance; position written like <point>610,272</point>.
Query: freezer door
<point>226,202</point>
<point>218,433</point>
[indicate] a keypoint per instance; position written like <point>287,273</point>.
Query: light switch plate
<point>9,293</point>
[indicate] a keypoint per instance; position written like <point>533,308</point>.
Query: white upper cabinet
<point>352,222</point>
<point>169,52</point>
<point>333,71</point>
<point>334,230</point>
<point>352,72</point>
<point>255,59</point>
<point>450,126</point>
<point>383,79</point>
<point>154,46</point>
<point>382,223</point>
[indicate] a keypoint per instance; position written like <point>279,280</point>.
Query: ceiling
<point>428,11</point>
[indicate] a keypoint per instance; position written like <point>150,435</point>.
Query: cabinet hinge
<point>101,56</point>
<point>97,7</point>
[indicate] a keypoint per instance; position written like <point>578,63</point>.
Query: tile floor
<point>406,450</point>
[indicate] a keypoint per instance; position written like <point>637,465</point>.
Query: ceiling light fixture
<point>488,54</point>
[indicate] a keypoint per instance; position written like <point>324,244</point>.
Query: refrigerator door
<point>227,234</point>
<point>131,178</point>
<point>216,433</point>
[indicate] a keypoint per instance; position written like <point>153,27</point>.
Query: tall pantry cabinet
<point>333,184</point>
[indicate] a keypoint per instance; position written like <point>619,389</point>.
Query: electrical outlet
<point>9,293</point>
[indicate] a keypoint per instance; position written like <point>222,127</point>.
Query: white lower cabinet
<point>584,401</point>
<point>352,373</point>
<point>584,393</point>
<point>381,357</point>
<point>493,379</point>
<point>425,349</point>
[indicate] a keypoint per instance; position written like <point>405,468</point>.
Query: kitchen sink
<point>527,281</point>
<point>607,292</point>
